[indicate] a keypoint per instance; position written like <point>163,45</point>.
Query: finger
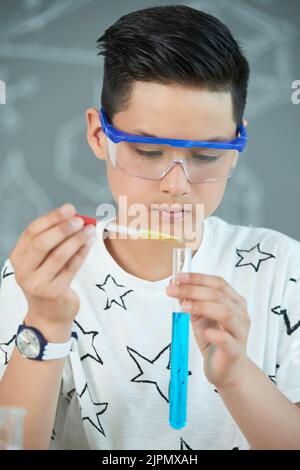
<point>197,292</point>
<point>223,340</point>
<point>45,243</point>
<point>215,282</point>
<point>64,278</point>
<point>62,254</point>
<point>225,316</point>
<point>199,325</point>
<point>43,223</point>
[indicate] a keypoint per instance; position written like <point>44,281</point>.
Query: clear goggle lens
<point>151,161</point>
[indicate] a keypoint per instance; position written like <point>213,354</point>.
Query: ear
<point>245,122</point>
<point>95,134</point>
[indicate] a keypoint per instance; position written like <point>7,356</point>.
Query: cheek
<point>136,190</point>
<point>211,195</point>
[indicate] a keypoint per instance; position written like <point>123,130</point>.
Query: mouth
<point>172,214</point>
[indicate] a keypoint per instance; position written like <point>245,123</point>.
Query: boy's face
<point>168,112</point>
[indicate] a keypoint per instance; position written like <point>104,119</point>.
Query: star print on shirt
<point>89,409</point>
<point>252,257</point>
<point>289,329</point>
<point>273,377</point>
<point>184,445</point>
<point>5,350</point>
<point>283,311</point>
<point>5,273</point>
<point>151,370</point>
<point>90,350</point>
<point>69,395</point>
<point>114,291</point>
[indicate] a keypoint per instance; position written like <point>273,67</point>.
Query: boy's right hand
<point>45,259</point>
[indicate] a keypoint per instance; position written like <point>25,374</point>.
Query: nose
<point>175,182</point>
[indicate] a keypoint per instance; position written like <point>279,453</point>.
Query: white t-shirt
<point>114,392</point>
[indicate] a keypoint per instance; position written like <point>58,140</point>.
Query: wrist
<point>240,382</point>
<point>53,332</point>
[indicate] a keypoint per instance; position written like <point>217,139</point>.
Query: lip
<point>175,208</point>
<point>172,215</point>
<point>170,208</point>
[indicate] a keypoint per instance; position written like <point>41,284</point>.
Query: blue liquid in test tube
<point>179,348</point>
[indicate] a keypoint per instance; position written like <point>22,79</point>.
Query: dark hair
<point>173,44</point>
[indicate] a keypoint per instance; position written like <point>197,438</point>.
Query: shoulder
<point>260,237</point>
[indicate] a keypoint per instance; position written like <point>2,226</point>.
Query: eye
<point>148,154</point>
<point>205,158</point>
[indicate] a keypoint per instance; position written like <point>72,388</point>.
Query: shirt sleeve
<point>288,356</point>
<point>13,308</point>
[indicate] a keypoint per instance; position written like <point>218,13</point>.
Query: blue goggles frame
<point>239,143</point>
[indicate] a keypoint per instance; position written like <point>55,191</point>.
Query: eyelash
<point>154,154</point>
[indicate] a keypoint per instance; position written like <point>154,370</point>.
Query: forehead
<point>172,111</point>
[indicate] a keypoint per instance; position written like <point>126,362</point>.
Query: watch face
<point>28,343</point>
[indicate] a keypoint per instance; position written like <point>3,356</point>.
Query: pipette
<point>151,234</point>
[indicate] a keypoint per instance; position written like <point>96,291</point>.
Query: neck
<point>145,258</point>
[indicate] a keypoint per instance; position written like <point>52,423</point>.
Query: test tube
<point>179,348</point>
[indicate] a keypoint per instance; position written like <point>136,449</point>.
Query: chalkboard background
<point>49,64</point>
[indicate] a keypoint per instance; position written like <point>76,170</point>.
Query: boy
<point>174,73</point>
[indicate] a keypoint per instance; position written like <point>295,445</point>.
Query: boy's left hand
<point>220,322</point>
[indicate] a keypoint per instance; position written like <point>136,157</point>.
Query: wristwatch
<point>33,345</point>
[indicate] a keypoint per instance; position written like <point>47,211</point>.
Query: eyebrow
<point>213,139</point>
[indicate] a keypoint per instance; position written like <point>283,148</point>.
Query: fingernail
<point>182,277</point>
<point>186,305</point>
<point>76,223</point>
<point>90,230</point>
<point>172,288</point>
<point>67,209</point>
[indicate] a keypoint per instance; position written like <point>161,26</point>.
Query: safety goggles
<point>152,158</point>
